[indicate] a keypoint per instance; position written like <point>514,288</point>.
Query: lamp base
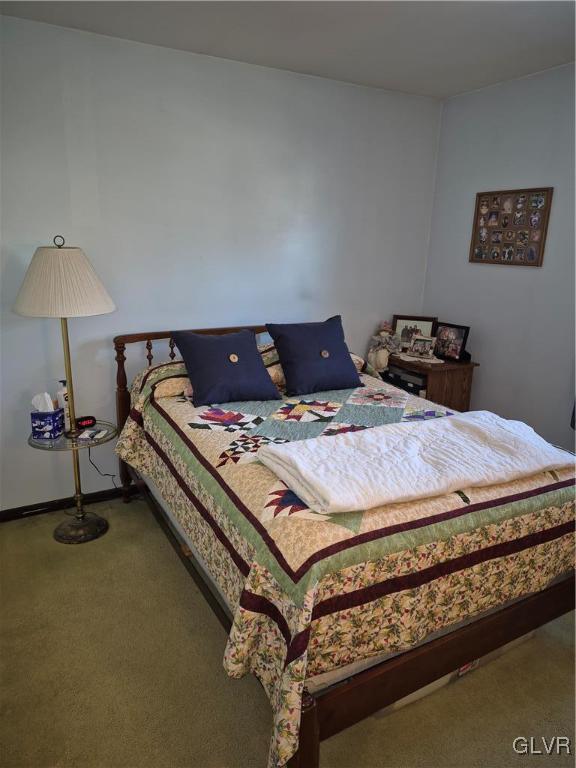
<point>77,531</point>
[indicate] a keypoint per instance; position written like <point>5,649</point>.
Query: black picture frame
<point>416,319</point>
<point>463,330</point>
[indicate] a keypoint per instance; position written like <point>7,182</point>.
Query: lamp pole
<point>73,431</point>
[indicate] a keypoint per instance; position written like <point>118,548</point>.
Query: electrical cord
<point>103,474</point>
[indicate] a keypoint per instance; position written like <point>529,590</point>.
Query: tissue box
<point>47,425</point>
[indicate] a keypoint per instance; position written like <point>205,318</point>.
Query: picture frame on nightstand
<point>451,341</point>
<point>407,326</point>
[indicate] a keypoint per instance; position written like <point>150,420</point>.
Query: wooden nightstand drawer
<point>448,384</point>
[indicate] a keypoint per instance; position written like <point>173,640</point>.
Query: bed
<point>337,616</point>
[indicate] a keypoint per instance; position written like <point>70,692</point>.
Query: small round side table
<point>84,526</point>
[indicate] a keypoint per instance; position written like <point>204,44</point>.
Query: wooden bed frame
<point>333,709</point>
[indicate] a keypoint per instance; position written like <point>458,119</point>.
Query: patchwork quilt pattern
<point>412,413</point>
<point>340,428</point>
<point>389,397</point>
<point>306,410</point>
<point>311,592</point>
<point>244,448</point>
<point>284,501</point>
<point>299,418</point>
<point>219,418</point>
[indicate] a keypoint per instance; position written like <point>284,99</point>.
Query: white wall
<point>514,135</point>
<point>205,192</point>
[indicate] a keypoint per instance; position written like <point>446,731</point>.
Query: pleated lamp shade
<point>61,282</point>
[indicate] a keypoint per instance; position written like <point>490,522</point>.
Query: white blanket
<point>402,462</point>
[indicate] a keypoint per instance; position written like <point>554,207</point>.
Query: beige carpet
<point>111,658</point>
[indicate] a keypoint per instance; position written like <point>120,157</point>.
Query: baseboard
<point>18,513</point>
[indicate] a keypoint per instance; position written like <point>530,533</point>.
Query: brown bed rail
<point>122,392</point>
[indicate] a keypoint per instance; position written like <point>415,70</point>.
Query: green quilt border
<point>356,553</point>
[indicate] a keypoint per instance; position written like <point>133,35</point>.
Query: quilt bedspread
<point>311,592</point>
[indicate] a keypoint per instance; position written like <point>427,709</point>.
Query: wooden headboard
<point>122,392</point>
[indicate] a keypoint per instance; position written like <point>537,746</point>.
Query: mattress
<point>313,593</point>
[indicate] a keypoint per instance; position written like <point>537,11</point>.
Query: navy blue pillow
<point>314,356</point>
<point>223,369</point>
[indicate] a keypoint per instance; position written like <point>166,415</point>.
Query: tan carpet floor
<point>112,659</point>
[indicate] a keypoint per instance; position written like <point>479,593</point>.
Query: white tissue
<point>42,402</point>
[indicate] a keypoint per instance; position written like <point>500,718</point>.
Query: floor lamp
<point>61,282</point>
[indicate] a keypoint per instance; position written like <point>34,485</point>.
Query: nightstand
<point>447,383</point>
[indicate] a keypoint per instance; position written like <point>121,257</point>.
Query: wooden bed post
<point>308,755</point>
<point>122,410</point>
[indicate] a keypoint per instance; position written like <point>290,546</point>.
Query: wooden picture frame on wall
<point>510,227</point>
